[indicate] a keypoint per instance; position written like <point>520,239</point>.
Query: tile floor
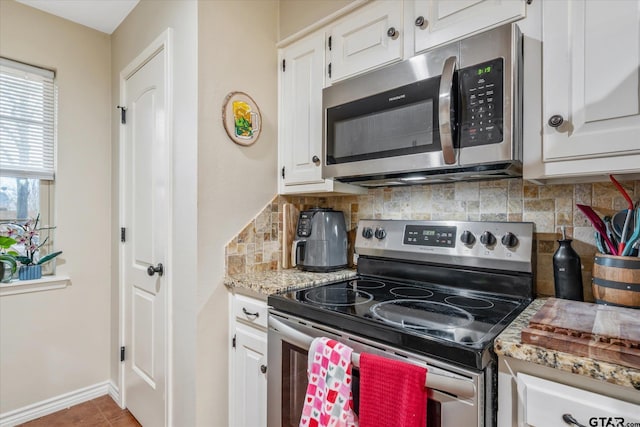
<point>99,412</point>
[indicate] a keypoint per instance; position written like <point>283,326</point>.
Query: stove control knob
<point>380,233</point>
<point>367,232</point>
<point>509,240</point>
<point>467,238</point>
<point>488,239</point>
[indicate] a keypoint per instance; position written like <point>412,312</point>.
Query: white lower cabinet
<point>248,362</point>
<point>531,395</point>
<point>545,403</point>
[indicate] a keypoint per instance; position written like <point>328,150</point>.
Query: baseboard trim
<point>54,404</point>
<point>114,392</point>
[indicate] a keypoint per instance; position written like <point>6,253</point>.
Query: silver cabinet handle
<point>392,32</point>
<point>444,110</point>
<point>316,160</point>
<point>556,121</point>
<point>421,23</point>
<point>263,369</point>
<point>567,418</point>
<point>248,313</point>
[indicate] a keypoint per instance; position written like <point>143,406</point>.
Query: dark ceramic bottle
<point>567,271</point>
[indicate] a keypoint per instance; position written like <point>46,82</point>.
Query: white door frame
<point>163,42</point>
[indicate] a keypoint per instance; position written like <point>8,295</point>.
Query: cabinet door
<point>367,38</point>
<point>446,20</point>
<point>249,388</point>
<point>301,111</point>
<point>546,403</point>
<point>591,56</point>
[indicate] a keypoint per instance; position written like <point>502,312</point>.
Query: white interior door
<point>146,204</point>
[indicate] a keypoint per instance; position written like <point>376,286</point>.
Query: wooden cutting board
<point>597,331</point>
<point>289,223</point>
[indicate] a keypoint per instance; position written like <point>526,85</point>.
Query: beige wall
<point>57,341</point>
<point>146,22</point>
<point>295,15</point>
<point>234,182</point>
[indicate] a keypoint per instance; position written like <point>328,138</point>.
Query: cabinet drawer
<point>250,310</point>
<point>544,403</point>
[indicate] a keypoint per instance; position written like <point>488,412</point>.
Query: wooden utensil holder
<point>616,280</point>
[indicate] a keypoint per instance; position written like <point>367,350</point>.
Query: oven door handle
<point>444,110</point>
<point>446,384</point>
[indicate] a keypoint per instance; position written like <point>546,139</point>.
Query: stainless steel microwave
<point>453,113</point>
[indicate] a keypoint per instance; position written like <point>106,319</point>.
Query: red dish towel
<point>392,393</point>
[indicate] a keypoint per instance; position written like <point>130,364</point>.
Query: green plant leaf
<point>48,257</point>
<point>6,242</point>
<point>11,260</point>
<point>23,259</point>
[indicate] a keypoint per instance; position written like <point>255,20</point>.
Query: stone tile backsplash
<point>258,246</point>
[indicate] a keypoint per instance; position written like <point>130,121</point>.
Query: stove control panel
<point>487,244</point>
<point>430,235</point>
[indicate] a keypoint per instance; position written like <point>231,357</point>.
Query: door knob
<point>556,120</point>
<point>263,369</point>
<point>151,270</point>
<point>421,22</point>
<point>315,159</point>
<point>392,32</point>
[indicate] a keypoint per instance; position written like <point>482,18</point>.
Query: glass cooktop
<point>423,317</point>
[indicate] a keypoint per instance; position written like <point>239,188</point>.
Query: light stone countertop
<point>265,283</point>
<point>508,344</point>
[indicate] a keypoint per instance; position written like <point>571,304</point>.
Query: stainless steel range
<point>432,293</point>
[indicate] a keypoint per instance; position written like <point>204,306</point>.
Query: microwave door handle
<point>444,110</point>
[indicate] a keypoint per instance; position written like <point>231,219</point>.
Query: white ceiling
<point>102,15</point>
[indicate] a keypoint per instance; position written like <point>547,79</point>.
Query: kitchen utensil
<point>617,222</point>
<point>635,237</point>
<point>622,191</point>
<point>597,223</point>
<point>599,242</point>
<point>611,233</point>
<point>625,228</point>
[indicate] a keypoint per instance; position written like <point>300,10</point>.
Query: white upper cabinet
<point>367,38</point>
<point>302,66</point>
<point>591,98</point>
<point>439,21</point>
<point>301,111</point>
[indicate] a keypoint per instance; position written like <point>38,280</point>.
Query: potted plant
<point>8,263</point>
<point>26,247</point>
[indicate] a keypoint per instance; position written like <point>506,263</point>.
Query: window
<point>27,140</point>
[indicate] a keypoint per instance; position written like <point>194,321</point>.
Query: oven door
<point>455,396</point>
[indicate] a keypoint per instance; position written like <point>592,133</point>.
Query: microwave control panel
<point>482,110</point>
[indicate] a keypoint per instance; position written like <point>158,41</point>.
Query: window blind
<point>27,121</point>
